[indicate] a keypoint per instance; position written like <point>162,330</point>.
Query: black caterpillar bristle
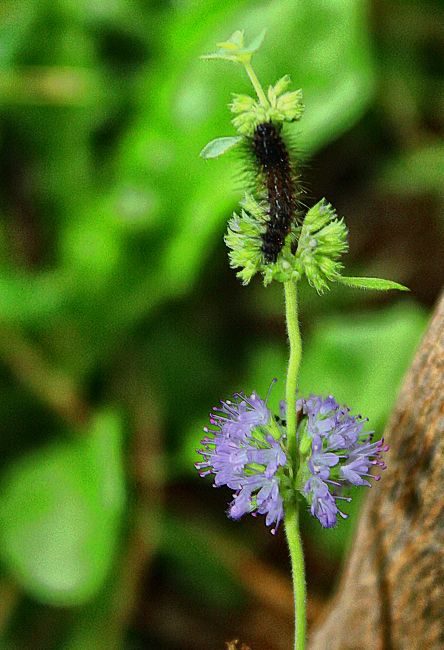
<point>275,167</point>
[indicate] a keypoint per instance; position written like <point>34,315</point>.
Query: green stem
<point>256,84</point>
<point>298,573</point>
<point>292,509</point>
<point>294,338</point>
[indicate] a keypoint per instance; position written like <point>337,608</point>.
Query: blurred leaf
<point>16,17</point>
<point>59,515</point>
<point>54,85</point>
<point>207,579</point>
<point>30,299</point>
<point>371,283</point>
<point>415,172</point>
<point>361,359</point>
<point>267,361</point>
<point>91,247</point>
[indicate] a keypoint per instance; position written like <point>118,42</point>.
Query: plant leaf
<point>235,42</point>
<point>256,42</point>
<point>60,514</point>
<point>234,50</point>
<point>371,283</point>
<point>219,146</point>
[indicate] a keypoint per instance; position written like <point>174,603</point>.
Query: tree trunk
<point>392,593</point>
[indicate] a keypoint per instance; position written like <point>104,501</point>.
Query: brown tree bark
<point>392,593</point>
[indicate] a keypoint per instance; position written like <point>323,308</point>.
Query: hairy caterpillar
<point>272,157</point>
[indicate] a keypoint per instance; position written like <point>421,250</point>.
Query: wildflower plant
<point>314,449</point>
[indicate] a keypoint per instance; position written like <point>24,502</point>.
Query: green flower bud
<point>289,107</point>
<point>242,103</point>
<point>306,441</point>
<point>319,216</point>
<point>278,89</point>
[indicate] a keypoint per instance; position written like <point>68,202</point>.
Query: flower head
<point>281,106</point>
<point>337,454</point>
<point>322,242</point>
<point>244,239</point>
<point>245,451</point>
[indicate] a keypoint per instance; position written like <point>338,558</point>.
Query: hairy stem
<point>298,573</point>
<point>292,509</point>
<point>294,339</point>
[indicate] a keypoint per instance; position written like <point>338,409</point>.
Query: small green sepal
<point>376,284</point>
<point>219,146</point>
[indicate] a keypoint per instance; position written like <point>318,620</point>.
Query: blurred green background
<point>121,323</point>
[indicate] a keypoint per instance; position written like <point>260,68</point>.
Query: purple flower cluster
<point>245,449</point>
<point>242,453</point>
<point>341,455</point>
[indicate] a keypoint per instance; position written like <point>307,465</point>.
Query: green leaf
<point>256,42</point>
<point>219,146</point>
<point>60,512</point>
<point>235,42</point>
<point>233,49</point>
<point>371,283</point>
